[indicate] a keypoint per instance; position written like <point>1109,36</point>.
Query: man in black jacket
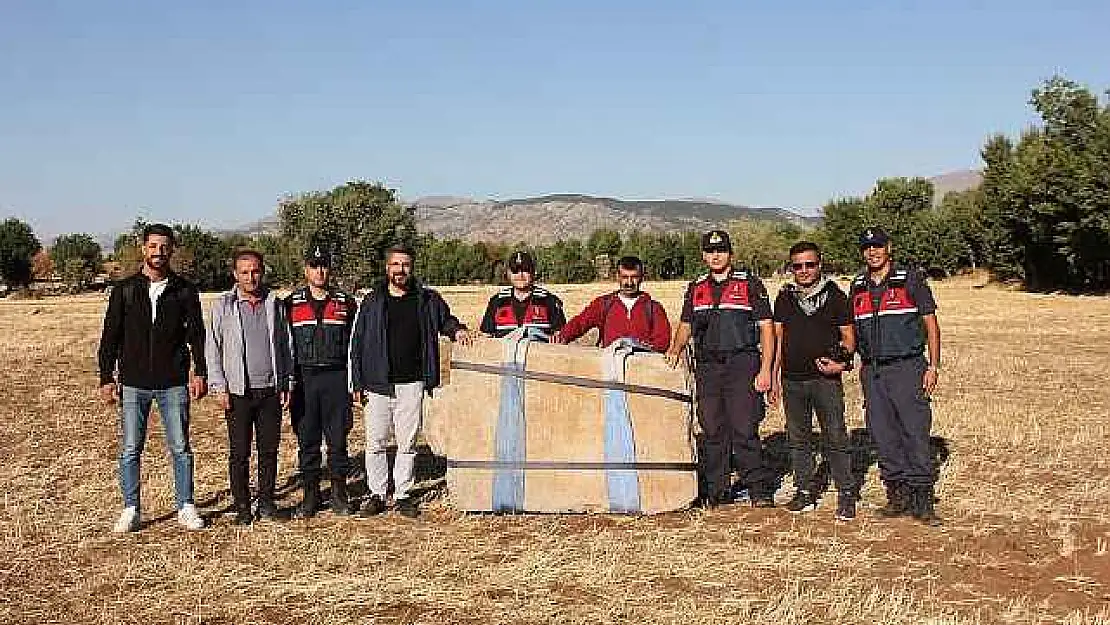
<point>152,329</point>
<point>395,360</point>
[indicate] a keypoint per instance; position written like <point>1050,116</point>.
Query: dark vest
<point>321,341</point>
<point>537,315</point>
<point>726,325</point>
<point>890,329</point>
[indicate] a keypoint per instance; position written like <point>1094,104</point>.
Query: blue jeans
<point>173,406</point>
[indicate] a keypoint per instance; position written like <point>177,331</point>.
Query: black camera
<point>838,353</point>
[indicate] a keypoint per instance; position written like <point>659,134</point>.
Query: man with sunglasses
<point>813,325</point>
<point>523,303</point>
<point>728,315</point>
<point>320,318</point>
<point>895,320</point>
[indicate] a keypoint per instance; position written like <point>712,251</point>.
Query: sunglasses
<point>809,264</point>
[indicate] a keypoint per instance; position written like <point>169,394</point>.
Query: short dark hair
<point>631,263</point>
<point>161,230</point>
<point>805,246</point>
<point>248,253</point>
<point>399,248</point>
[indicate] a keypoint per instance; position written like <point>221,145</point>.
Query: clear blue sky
<point>208,112</point>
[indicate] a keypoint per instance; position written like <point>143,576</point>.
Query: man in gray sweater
<point>250,372</point>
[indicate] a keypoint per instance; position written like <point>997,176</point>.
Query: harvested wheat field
<point>1023,404</point>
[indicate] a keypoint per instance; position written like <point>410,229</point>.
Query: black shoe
<point>897,500</point>
<point>924,506</point>
<point>763,501</point>
<point>243,515</point>
<point>802,502</point>
<point>845,508</point>
<point>407,507</point>
<point>710,502</point>
<point>739,493</point>
<point>310,504</point>
<point>373,507</point>
<point>267,510</point>
<point>340,505</point>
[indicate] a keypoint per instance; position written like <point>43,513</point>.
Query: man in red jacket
<point>625,313</point>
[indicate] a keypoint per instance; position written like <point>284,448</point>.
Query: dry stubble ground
<point>1023,401</point>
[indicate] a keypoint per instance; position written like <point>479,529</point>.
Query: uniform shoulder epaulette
<point>297,296</point>
<point>504,291</point>
<point>539,291</point>
<point>740,274</point>
<point>702,278</point>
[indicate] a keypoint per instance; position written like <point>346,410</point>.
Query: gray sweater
<point>223,347</point>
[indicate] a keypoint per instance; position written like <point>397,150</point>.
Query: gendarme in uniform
<point>523,304</point>
<point>321,408</point>
<point>724,315</point>
<point>890,312</point>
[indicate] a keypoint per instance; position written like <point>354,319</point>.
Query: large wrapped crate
<point>534,427</point>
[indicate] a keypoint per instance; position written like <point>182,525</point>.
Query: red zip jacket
<point>610,315</point>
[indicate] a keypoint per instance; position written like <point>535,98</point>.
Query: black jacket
<point>370,352</point>
<point>152,356</point>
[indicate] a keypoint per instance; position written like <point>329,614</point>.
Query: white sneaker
<point>128,521</point>
<point>189,518</point>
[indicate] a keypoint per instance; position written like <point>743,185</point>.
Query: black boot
<point>267,509</point>
<point>311,502</point>
<point>340,505</point>
<point>373,507</point>
<point>897,500</point>
<point>243,513</point>
<point>924,506</point>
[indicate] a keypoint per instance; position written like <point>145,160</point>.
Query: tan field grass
<point>1023,403</point>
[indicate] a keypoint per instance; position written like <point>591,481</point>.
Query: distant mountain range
<point>548,218</point>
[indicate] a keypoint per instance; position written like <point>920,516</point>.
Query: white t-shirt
<point>156,289</point>
<point>629,302</point>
